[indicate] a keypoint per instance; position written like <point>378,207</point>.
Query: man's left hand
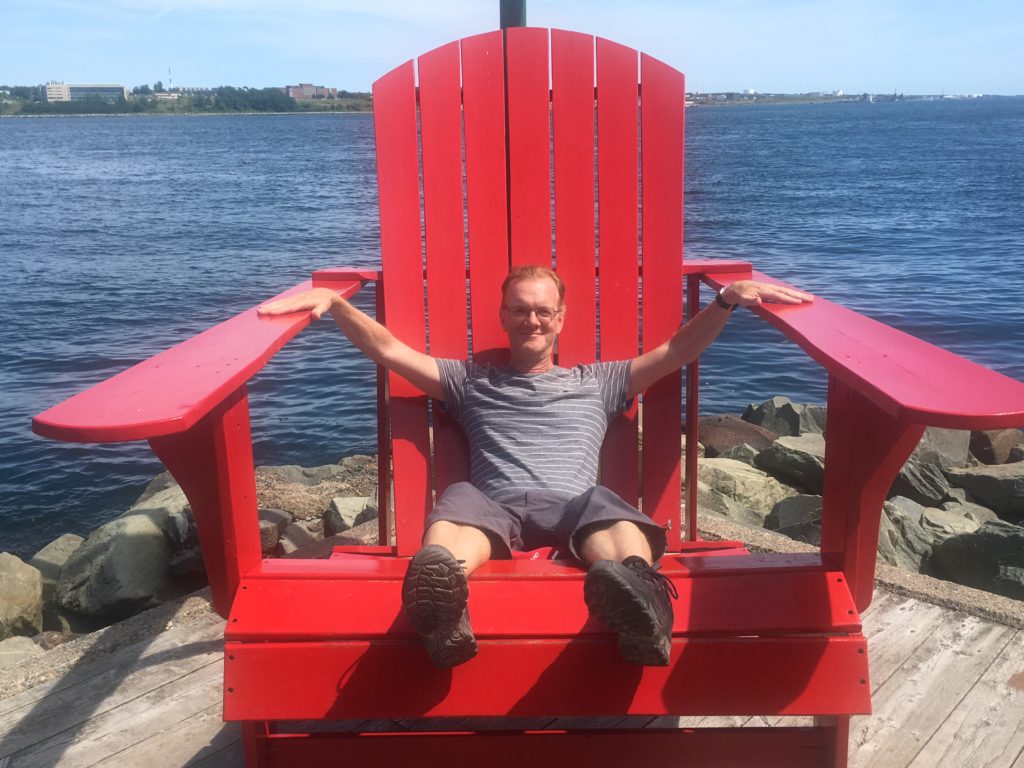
<point>752,293</point>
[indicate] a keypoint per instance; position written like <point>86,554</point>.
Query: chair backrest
<point>530,146</point>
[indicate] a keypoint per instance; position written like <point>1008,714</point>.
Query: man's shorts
<point>541,518</point>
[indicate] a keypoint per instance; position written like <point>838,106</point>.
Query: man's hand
<point>316,301</point>
<point>751,293</point>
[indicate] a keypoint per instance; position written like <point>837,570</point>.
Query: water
<point>122,236</point>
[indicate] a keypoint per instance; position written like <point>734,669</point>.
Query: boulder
<point>161,482</point>
<point>1016,454</point>
<point>745,453</point>
<point>720,434</point>
<point>808,532</point>
<point>743,483</point>
<point>348,512</point>
<point>910,532</point>
<point>948,448</point>
<point>974,511</point>
<point>711,502</point>
<point>990,558</point>
<point>795,510</point>
<point>994,446</point>
<point>305,493</point>
<point>999,487</point>
<point>796,460</point>
<point>308,476</point>
<point>299,535</point>
<point>21,598</point>
<point>17,650</point>
<point>273,523</point>
<point>785,418</point>
<point>51,558</point>
<point>921,481</point>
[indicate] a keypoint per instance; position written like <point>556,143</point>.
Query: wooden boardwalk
<point>948,690</point>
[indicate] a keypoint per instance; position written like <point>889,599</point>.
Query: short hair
<point>534,272</point>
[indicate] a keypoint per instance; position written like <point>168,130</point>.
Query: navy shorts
<point>541,518</point>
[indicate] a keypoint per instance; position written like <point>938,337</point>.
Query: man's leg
<point>618,541</point>
<point>468,544</point>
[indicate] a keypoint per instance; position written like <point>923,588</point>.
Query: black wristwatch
<point>720,301</point>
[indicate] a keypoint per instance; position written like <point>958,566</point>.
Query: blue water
<point>122,236</point>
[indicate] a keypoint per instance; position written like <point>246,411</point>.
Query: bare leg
<point>616,542</point>
<point>466,542</point>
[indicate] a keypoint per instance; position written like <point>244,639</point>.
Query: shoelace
<point>650,573</point>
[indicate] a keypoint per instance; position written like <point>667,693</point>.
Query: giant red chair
<point>481,131</point>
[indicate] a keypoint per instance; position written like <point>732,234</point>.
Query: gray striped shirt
<point>534,431</point>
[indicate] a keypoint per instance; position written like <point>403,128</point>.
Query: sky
<point>783,46</point>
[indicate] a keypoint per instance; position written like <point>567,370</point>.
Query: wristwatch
<point>720,301</point>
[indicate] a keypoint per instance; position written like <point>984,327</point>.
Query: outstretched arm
<point>369,336</point>
<point>694,337</point>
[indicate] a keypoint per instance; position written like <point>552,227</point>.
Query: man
<point>535,431</point>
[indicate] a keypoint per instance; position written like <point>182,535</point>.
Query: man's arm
<point>695,336</point>
<point>369,336</point>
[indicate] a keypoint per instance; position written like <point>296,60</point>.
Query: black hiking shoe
<point>434,595</point>
<point>632,598</point>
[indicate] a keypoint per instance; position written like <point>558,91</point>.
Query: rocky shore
<point>956,512</point>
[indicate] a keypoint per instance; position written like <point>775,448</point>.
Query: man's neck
<point>530,365</point>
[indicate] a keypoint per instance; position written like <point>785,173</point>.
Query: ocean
<point>122,236</point>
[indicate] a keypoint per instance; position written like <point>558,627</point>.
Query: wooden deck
<point>948,690</point>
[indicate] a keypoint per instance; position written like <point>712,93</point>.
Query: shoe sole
<point>610,598</point>
<point>434,594</point>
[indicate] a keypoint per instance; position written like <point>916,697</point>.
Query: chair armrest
<point>171,391</point>
<point>909,379</point>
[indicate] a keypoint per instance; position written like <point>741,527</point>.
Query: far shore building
<point>310,91</point>
<point>56,91</point>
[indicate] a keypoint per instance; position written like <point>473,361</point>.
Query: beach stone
<point>273,523</point>
<point>785,418</point>
<point>808,532</point>
<point>308,476</point>
<point>299,535</point>
<point>995,446</point>
<point>161,482</point>
<point>754,489</point>
<point>902,540</point>
<point>711,502</point>
<point>21,598</point>
<point>745,453</point>
<point>1016,454</point>
<point>51,558</point>
<point>947,448</point>
<point>796,460</point>
<point>921,481</point>
<point>990,558</point>
<point>17,650</point>
<point>348,512</point>
<point>306,493</point>
<point>974,511</point>
<point>795,510</point>
<point>1000,487</point>
<point>723,433</point>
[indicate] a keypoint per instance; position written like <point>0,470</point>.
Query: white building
<point>63,92</point>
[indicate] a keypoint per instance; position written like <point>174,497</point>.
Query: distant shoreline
<point>192,114</point>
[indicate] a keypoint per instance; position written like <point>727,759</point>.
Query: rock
<point>301,534</point>
<point>744,484</point>
<point>51,558</point>
<point>990,558</point>
<point>711,502</point>
<point>180,529</point>
<point>808,532</point>
<point>161,482</point>
<point>1016,454</point>
<point>797,460</point>
<point>745,453</point>
<point>999,487</point>
<point>21,598</point>
<point>722,433</point>
<point>944,523</point>
<point>362,535</point>
<point>306,493</point>
<point>948,448</point>
<point>793,511</point>
<point>348,512</point>
<point>273,523</point>
<point>47,641</point>
<point>357,462</point>
<point>902,541</point>
<point>785,418</point>
<point>17,650</point>
<point>921,481</point>
<point>308,476</point>
<point>994,446</point>
<point>974,511</point>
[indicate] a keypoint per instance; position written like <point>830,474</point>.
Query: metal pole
<point>513,13</point>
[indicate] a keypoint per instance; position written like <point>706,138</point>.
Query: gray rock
<point>180,529</point>
<point>299,535</point>
<point>999,487</point>
<point>51,558</point>
<point>348,512</point>
<point>808,532</point>
<point>17,650</point>
<point>948,448</point>
<point>785,418</point>
<point>21,598</point>
<point>921,481</point>
<point>902,541</point>
<point>161,482</point>
<point>745,453</point>
<point>273,523</point>
<point>720,434</point>
<point>796,510</point>
<point>994,446</point>
<point>990,558</point>
<point>309,476</point>
<point>358,461</point>
<point>943,523</point>
<point>974,511</point>
<point>1016,454</point>
<point>796,460</point>
<point>712,502</point>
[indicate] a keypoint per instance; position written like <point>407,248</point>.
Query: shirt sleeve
<point>453,380</point>
<point>613,381</point>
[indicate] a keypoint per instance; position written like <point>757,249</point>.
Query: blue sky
<point>721,45</point>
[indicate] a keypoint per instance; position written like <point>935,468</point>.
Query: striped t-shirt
<point>534,431</point>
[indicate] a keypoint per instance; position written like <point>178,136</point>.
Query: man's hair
<point>534,272</point>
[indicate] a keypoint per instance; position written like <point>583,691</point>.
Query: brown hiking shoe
<point>434,595</point>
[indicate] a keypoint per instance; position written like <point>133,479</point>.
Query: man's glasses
<point>544,314</point>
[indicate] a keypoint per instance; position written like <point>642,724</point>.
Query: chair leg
<point>838,740</point>
<point>254,744</point>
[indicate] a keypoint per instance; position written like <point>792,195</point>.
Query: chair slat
<point>572,96</point>
<point>441,135</point>
<point>529,145</point>
<point>617,245</point>
<point>394,98</point>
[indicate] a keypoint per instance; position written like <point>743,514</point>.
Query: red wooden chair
<point>754,634</point>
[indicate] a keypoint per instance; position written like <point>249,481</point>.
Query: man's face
<point>528,332</point>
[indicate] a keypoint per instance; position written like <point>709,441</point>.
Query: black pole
<point>513,13</point>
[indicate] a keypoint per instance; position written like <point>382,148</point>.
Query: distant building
<point>310,91</point>
<point>65,92</point>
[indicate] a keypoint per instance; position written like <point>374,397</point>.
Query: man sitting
<point>535,431</point>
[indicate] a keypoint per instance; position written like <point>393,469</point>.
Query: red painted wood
<point>694,748</point>
<point>443,206</point>
<point>386,515</point>
<point>618,254</point>
<point>483,103</point>
<point>661,140</point>
<point>692,415</point>
<point>713,266</point>
<point>174,389</point>
<point>573,118</point>
<point>836,732</point>
<point>582,677</point>
<point>395,127</point>
<point>529,145</point>
<point>863,454</point>
<point>909,379</point>
<point>212,462</point>
<point>766,603</point>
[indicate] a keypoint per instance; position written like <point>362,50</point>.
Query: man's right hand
<point>316,301</point>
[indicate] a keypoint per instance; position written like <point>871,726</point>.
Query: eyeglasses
<point>544,314</point>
